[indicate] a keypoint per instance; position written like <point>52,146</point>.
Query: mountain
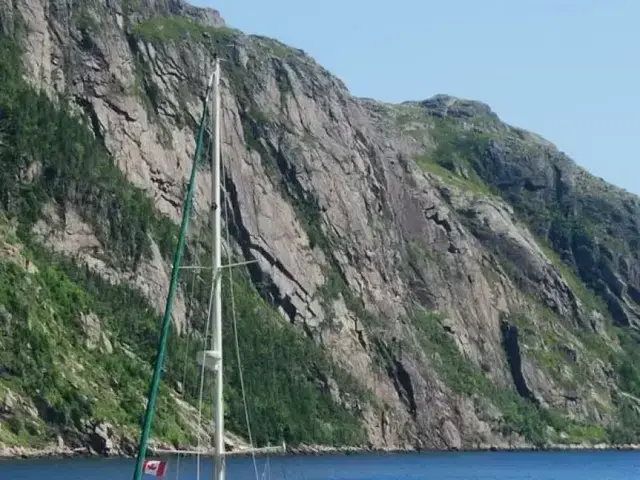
<point>424,275</point>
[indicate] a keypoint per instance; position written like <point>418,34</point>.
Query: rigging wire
<point>47,11</point>
<point>68,51</point>
<point>196,278</point>
<point>206,332</point>
<point>235,330</point>
<point>202,371</point>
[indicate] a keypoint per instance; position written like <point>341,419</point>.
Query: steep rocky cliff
<point>425,275</point>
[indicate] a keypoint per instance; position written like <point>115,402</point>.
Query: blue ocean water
<point>614,465</point>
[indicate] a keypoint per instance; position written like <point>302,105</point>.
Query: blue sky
<point>566,69</point>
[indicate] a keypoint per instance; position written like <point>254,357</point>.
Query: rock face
<point>436,254</point>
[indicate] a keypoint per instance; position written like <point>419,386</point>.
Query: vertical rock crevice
<point>398,374</point>
<point>511,346</point>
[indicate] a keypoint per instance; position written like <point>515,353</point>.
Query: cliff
<point>425,276</point>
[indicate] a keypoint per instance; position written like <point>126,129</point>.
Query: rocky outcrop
<point>360,217</point>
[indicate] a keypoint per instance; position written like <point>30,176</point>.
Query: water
<point>614,465</point>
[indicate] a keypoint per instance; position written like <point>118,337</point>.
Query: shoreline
<point>24,453</point>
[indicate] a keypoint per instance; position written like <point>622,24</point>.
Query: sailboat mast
<point>217,304</point>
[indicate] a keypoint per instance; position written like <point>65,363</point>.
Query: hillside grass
<point>47,156</point>
<point>432,165</point>
<point>452,159</point>
<point>518,415</point>
<point>627,402</point>
<point>173,28</point>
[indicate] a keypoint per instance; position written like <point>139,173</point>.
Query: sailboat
<point>210,359</point>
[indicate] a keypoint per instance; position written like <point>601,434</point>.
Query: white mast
<point>217,304</point>
<point>212,359</point>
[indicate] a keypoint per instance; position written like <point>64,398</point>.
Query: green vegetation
<point>45,357</point>
<point>163,28</point>
<point>274,48</point>
<point>519,415</point>
<point>586,296</point>
<point>455,179</point>
<point>49,157</point>
<point>452,159</point>
<point>279,364</point>
<point>564,352</point>
<point>627,402</point>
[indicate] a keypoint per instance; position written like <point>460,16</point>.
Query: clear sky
<point>566,69</point>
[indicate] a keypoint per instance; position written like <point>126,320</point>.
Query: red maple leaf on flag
<point>156,468</point>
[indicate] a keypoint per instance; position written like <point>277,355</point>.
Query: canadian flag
<point>154,467</point>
